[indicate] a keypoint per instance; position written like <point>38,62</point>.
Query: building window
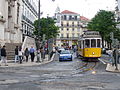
<point>67,35</point>
<point>65,18</point>
<point>78,23</point>
<point>62,29</point>
<point>72,29</point>
<point>73,35</point>
<point>70,17</point>
<point>67,29</point>
<point>75,17</point>
<point>67,24</point>
<point>78,35</point>
<point>61,23</point>
<point>61,35</point>
<point>72,23</point>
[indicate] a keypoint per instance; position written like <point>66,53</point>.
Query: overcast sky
<point>87,8</point>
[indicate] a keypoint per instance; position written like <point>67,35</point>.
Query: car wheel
<point>71,58</point>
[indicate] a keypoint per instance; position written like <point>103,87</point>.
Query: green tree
<point>104,22</point>
<point>47,27</point>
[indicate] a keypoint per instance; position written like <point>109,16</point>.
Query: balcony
<point>68,38</point>
<point>70,26</point>
<point>26,19</point>
<point>27,1</point>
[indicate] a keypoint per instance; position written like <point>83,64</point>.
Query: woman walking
<point>26,54</point>
<point>20,53</point>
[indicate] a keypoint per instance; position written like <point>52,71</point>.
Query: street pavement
<point>11,63</point>
<point>57,75</point>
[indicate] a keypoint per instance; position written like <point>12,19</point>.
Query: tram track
<point>87,66</point>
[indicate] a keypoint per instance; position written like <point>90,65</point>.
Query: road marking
<point>102,61</point>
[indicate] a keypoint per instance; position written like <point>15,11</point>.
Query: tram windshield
<point>93,42</point>
<point>87,43</point>
<point>98,42</point>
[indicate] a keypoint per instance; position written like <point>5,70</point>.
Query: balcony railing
<point>31,6</point>
<point>68,38</point>
<point>26,19</point>
<point>78,26</point>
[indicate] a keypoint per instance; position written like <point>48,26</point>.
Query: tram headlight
<point>93,53</point>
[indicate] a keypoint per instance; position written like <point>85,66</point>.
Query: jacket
<point>3,52</point>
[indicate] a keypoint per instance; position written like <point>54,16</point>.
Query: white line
<point>102,61</point>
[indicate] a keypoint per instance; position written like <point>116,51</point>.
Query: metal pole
<point>38,55</point>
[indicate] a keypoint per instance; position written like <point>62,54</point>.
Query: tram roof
<point>91,34</point>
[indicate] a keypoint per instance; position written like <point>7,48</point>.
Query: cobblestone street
<point>58,76</point>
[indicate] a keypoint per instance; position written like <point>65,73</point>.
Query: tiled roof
<point>68,12</point>
<point>84,18</point>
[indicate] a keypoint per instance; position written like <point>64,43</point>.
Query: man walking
<point>3,56</point>
<point>32,53</point>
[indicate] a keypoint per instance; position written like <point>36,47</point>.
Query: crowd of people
<point>20,55</point>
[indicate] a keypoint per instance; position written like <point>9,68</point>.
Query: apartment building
<point>29,15</point>
<point>71,26</point>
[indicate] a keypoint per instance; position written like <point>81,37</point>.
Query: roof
<point>68,12</point>
<point>84,18</point>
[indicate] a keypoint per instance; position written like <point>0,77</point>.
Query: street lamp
<point>38,46</point>
<point>39,27</point>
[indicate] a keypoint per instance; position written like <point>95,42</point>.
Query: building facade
<point>10,21</point>
<point>29,15</point>
<point>71,27</point>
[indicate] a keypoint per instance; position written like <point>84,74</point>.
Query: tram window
<point>93,42</point>
<point>98,42</point>
<point>87,43</point>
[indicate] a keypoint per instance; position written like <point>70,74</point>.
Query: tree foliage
<point>47,27</point>
<point>104,22</point>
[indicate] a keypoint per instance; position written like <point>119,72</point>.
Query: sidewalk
<point>29,63</point>
<point>111,68</point>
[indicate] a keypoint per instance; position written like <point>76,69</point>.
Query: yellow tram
<point>89,45</point>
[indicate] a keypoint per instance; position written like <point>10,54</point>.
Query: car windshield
<point>65,52</point>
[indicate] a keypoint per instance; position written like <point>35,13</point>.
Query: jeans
<point>3,59</point>
<point>16,58</point>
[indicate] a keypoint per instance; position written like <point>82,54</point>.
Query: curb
<point>111,68</point>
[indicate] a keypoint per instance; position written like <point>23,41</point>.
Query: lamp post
<point>38,46</point>
<point>39,28</point>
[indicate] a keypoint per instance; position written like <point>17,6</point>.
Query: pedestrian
<point>3,56</point>
<point>20,53</point>
<point>32,53</point>
<point>0,52</point>
<point>26,53</point>
<point>16,54</point>
<point>42,53</point>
